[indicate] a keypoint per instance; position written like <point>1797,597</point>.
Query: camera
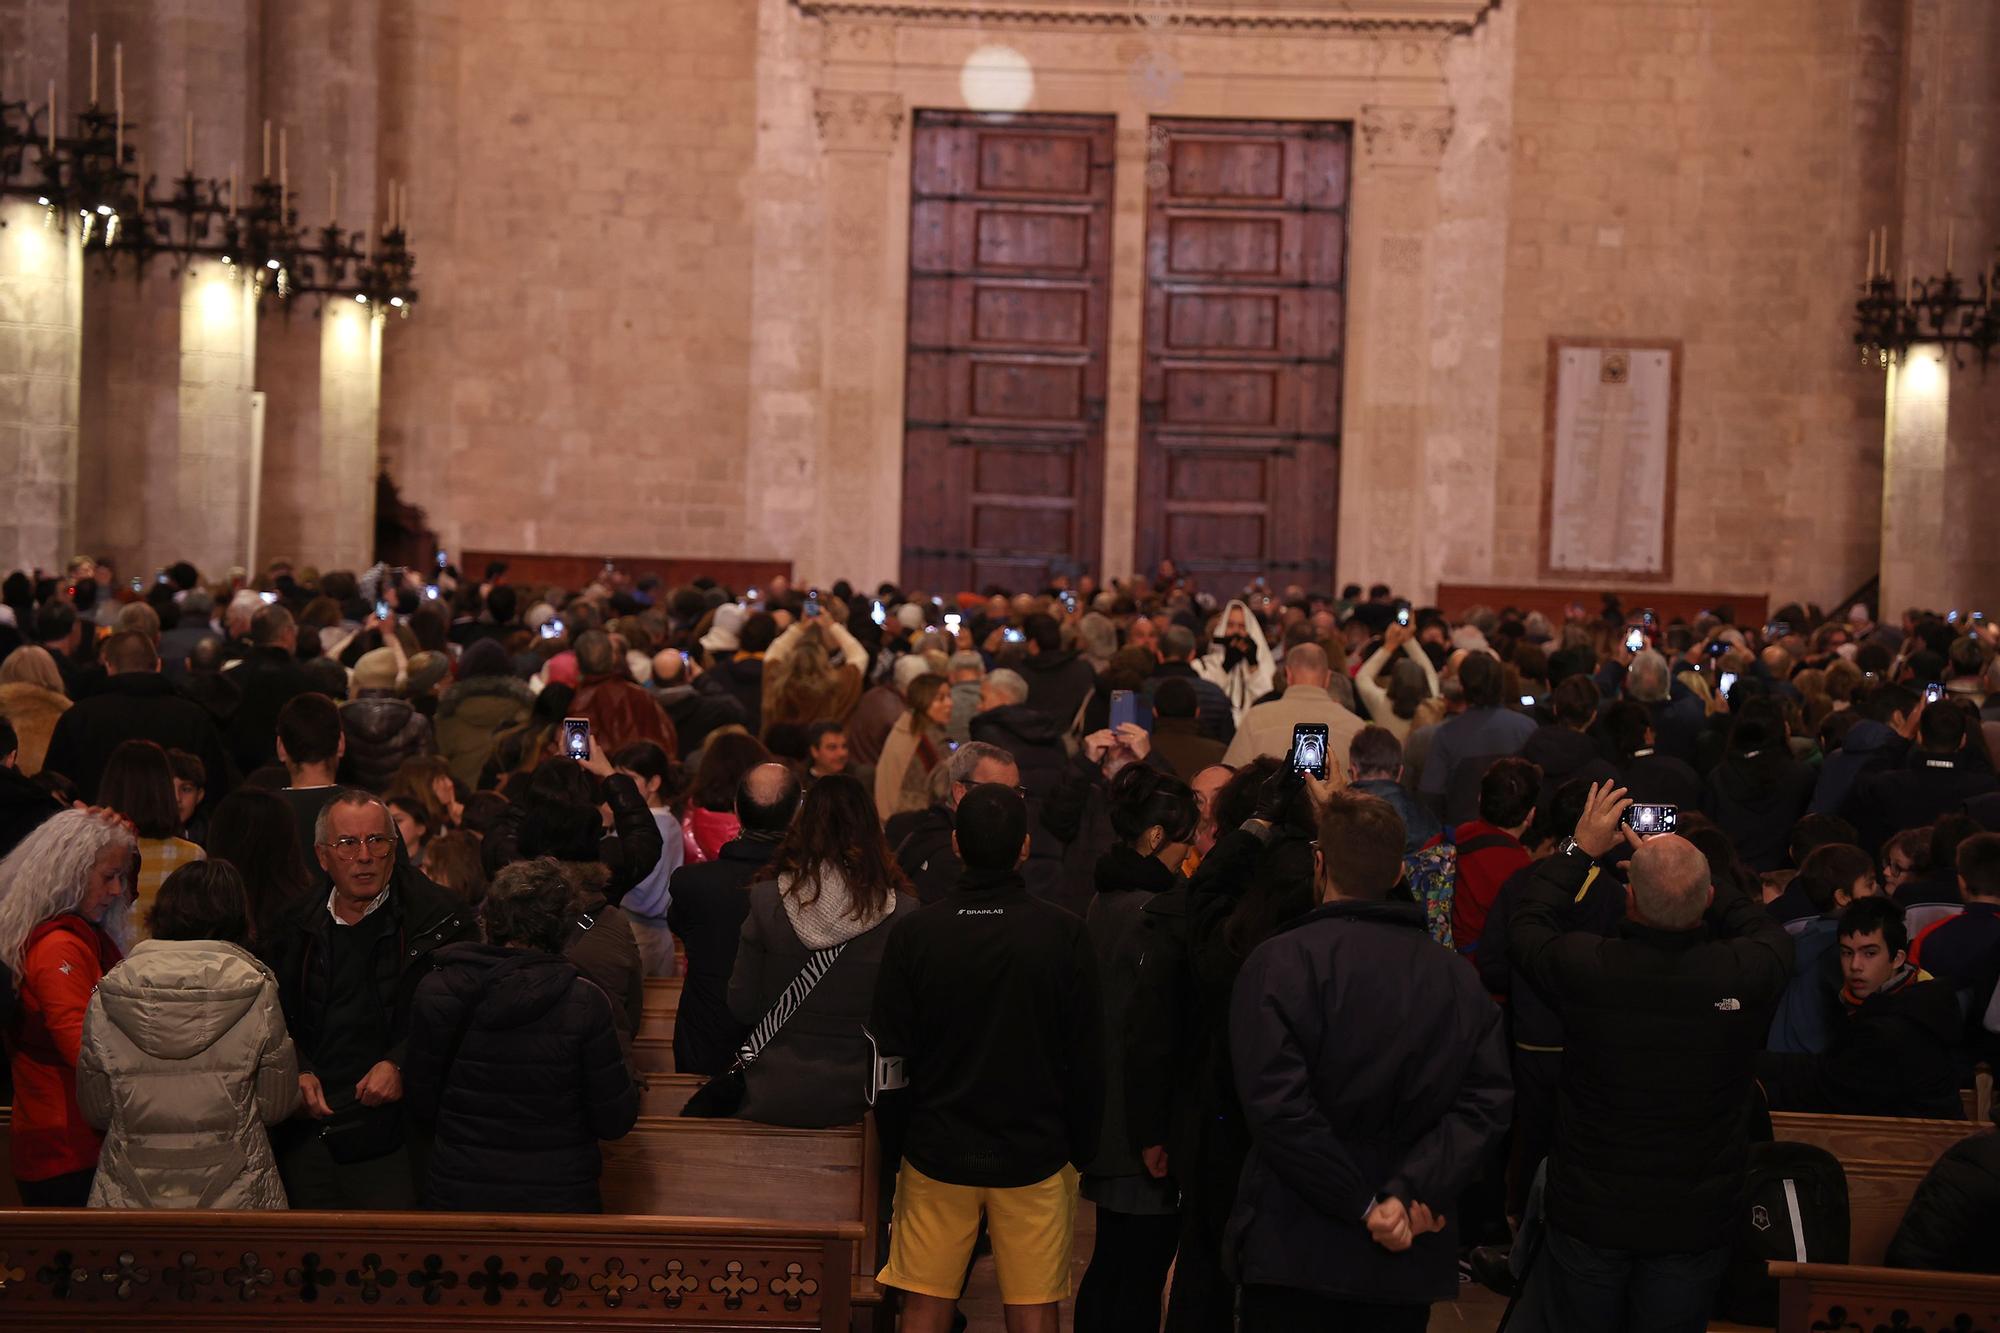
<point>576,738</point>
<point>1402,615</point>
<point>552,628</point>
<point>381,608</point>
<point>1650,820</point>
<point>1012,635</point>
<point>812,604</point>
<point>269,598</point>
<point>1309,749</point>
<point>1725,683</point>
<point>878,613</point>
<point>951,622</point>
<point>1934,692</point>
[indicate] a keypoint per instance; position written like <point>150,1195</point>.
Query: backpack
<point>1795,1211</point>
<point>1431,874</point>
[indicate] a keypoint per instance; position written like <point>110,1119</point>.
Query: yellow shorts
<point>1031,1226</point>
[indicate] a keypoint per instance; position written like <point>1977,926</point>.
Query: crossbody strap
<point>817,965</point>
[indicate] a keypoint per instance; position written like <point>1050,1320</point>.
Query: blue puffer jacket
<point>1810,1005</point>
<point>1870,746</point>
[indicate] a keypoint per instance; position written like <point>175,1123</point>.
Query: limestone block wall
<point>1708,171</point>
<point>41,347</point>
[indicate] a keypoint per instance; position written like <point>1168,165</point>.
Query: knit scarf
<point>1900,978</point>
<point>828,918</point>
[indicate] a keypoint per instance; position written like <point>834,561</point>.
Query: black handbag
<point>355,1133</point>
<point>722,1096</point>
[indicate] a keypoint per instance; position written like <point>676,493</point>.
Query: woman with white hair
<point>64,894</point>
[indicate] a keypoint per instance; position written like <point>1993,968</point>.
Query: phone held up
<point>1635,639</point>
<point>576,738</point>
<point>1402,615</point>
<point>1934,692</point>
<point>1309,749</point>
<point>1650,820</point>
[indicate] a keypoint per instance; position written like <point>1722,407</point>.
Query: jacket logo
<point>63,968</point>
<point>1730,1005</point>
<point>982,911</point>
<point>1760,1217</point>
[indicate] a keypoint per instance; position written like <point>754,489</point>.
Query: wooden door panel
<point>1240,411</point>
<point>1004,415</point>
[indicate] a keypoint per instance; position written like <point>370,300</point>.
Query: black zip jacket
<point>991,997</point>
<point>629,852</point>
<point>1661,1032</point>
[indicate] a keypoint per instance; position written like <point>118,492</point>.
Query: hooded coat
<point>1244,681</point>
<point>382,731</point>
<point>185,1060</point>
<point>34,712</point>
<point>471,717</point>
<point>513,1058</point>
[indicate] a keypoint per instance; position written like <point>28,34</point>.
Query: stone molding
<point>1445,18</point>
<point>1404,136</point>
<point>858,122</point>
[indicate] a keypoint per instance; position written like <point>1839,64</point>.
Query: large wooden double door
<point>1010,259</point>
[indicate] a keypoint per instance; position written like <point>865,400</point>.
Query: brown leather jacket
<point>621,712</point>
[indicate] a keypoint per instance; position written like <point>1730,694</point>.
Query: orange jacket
<point>60,968</point>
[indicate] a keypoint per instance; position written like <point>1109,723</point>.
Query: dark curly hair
<point>839,829</point>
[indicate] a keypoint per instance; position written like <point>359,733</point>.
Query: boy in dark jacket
<point>1893,1053</point>
<point>1662,1024</point>
<point>990,996</point>
<point>1360,1147</point>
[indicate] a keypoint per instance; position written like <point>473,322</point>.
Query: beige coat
<point>902,782</point>
<point>185,1059</point>
<point>33,711</point>
<point>1267,728</point>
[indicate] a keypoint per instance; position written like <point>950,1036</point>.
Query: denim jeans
<point>1580,1288</point>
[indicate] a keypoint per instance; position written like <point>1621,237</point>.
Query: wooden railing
<point>1885,1160</point>
<point>1841,1298</point>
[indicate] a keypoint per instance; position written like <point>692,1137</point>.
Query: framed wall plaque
<point>1613,432</point>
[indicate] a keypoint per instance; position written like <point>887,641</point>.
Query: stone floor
<point>1478,1311</point>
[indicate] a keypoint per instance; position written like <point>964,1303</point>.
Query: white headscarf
<point>1244,683</point>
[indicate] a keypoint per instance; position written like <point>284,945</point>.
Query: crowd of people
<point>386,858</point>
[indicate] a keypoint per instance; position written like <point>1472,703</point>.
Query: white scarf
<point>829,918</point>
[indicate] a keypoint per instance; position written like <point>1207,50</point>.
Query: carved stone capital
<point>1442,18</point>
<point>1405,136</point>
<point>858,122</point>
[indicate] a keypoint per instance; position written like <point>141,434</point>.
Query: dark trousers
<point>1535,1075</point>
<point>1203,1298</point>
<point>1289,1310</point>
<point>1582,1288</point>
<point>314,1180</point>
<point>68,1191</point>
<point>1120,1291</point>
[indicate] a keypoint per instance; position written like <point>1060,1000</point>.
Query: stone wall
<point>1708,171</point>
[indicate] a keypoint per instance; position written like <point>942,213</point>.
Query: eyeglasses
<point>349,849</point>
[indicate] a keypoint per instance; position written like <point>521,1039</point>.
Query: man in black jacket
<point>705,910</point>
<point>1662,1024</point>
<point>24,804</point>
<point>1035,740</point>
<point>1359,1148</point>
<point>1059,682</point>
<point>348,967</point>
<point>990,999</point>
<point>1941,774</point>
<point>1893,1054</point>
<point>137,702</point>
<point>270,677</point>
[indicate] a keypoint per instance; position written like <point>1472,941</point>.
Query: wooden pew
<point>1842,1297</point>
<point>461,1272</point>
<point>663,1001</point>
<point>1884,1160</point>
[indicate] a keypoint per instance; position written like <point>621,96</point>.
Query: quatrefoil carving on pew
<point>186,1279</point>
<point>733,1285</point>
<point>249,1276</point>
<point>127,1275</point>
<point>372,1278</point>
<point>309,1277</point>
<point>9,1275</point>
<point>432,1279</point>
<point>61,1274</point>
<point>552,1282</point>
<point>795,1286</point>
<point>674,1284</point>
<point>492,1279</point>
<point>613,1283</point>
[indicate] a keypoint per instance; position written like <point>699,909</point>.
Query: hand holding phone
<point>1934,692</point>
<point>1635,640</point>
<point>1650,821</point>
<point>576,738</point>
<point>1308,754</point>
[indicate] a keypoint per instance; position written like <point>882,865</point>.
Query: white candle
<point>52,117</point>
<point>1871,255</point>
<point>390,212</point>
<point>267,149</point>
<point>333,193</point>
<point>284,168</point>
<point>93,69</point>
<point>1950,236</point>
<point>187,145</point>
<point>232,192</point>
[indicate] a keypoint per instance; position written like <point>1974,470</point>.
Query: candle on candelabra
<point>284,166</point>
<point>389,213</point>
<point>1950,249</point>
<point>118,102</point>
<point>267,149</point>
<point>93,69</point>
<point>333,194</point>
<point>52,117</point>
<point>232,192</point>
<point>187,145</point>
<point>1871,257</point>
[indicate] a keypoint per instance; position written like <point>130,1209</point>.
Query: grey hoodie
<point>185,1059</point>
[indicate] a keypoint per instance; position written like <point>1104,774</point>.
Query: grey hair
<point>968,757</point>
<point>323,825</point>
<point>908,667</point>
<point>1008,685</point>
<point>1646,679</point>
<point>968,661</point>
<point>49,874</point>
<point>1176,643</point>
<point>528,903</point>
<point>1098,636</point>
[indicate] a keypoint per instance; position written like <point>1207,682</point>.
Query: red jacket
<point>621,712</point>
<point>60,967</point>
<point>1487,858</point>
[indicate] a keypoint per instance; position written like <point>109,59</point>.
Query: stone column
<point>1940,485</point>
<point>164,452</point>
<point>321,368</point>
<point>859,476</point>
<point>41,349</point>
<point>1383,502</point>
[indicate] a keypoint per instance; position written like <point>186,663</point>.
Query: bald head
<point>767,798</point>
<point>1306,664</point>
<point>667,665</point>
<point>1671,884</point>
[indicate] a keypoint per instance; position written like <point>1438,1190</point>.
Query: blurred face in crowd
<point>187,796</point>
<point>1234,625</point>
<point>940,709</point>
<point>1206,784</point>
<point>829,756</point>
<point>1145,633</point>
<point>1897,870</point>
<point>110,883</point>
<point>1866,963</point>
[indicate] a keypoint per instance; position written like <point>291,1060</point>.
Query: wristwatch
<point>1568,847</point>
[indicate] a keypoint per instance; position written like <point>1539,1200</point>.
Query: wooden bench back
<point>1884,1159</point>
<point>656,1018</point>
<point>460,1272</point>
<point>1827,1296</point>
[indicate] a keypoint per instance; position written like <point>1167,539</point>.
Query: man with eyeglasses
<point>349,965</point>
